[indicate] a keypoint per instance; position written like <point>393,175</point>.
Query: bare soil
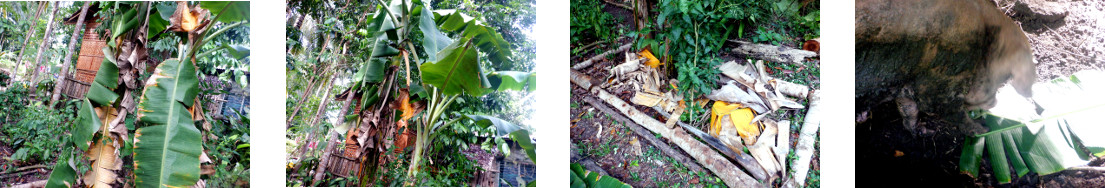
<point>1066,36</point>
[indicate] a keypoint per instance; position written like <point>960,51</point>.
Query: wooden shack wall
<point>88,62</point>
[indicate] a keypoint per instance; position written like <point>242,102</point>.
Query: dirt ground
<point>8,169</point>
<point>1066,36</point>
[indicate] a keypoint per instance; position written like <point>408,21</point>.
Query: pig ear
<point>1024,74</point>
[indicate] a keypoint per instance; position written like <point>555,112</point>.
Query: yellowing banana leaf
<point>105,160</point>
<point>740,117</point>
<point>652,61</point>
<point>168,152</point>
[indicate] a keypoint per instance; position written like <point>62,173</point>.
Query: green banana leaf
<point>232,11</point>
<point>63,174</point>
<point>86,125</point>
<point>503,127</point>
<point>971,157</point>
<point>433,39</point>
<point>485,38</point>
<point>522,137</point>
<point>159,20</point>
<point>513,80</point>
<point>107,79</point>
<point>506,128</point>
<point>1044,141</point>
<point>583,179</point>
<point>458,71</point>
<point>167,153</point>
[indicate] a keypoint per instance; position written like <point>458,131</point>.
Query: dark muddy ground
<point>888,153</point>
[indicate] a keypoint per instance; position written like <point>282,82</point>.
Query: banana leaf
<point>232,11</point>
<point>584,178</point>
<point>513,80</point>
<point>971,157</point>
<point>63,174</point>
<point>1043,141</point>
<point>167,152</point>
<point>457,72</point>
<point>86,125</point>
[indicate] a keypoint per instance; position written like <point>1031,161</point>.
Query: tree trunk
<point>323,162</point>
<point>69,54</point>
<point>45,41</point>
<point>27,40</point>
<point>310,84</point>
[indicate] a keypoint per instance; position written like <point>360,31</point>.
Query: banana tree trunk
<point>45,40</point>
<point>27,40</point>
<point>422,136</point>
<point>69,54</point>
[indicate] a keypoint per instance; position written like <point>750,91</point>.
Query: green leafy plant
<point>37,135</point>
<point>582,178</point>
<point>452,67</point>
<point>589,23</point>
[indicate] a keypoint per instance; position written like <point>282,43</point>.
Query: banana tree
<point>165,142</point>
<point>451,62</point>
<point>1025,139</point>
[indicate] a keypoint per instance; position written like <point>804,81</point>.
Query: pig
<point>942,58</point>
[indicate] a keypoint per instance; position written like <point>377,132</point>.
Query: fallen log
<point>750,165</point>
<point>34,184</point>
<point>772,53</point>
<point>725,170</point>
<point>592,60</point>
<point>804,148</point>
<point>664,147</point>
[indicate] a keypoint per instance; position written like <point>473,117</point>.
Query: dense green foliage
<point>447,58</point>
<point>591,24</point>
<point>691,34</point>
<point>38,133</point>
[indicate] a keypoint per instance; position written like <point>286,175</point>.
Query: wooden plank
<point>727,171</point>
